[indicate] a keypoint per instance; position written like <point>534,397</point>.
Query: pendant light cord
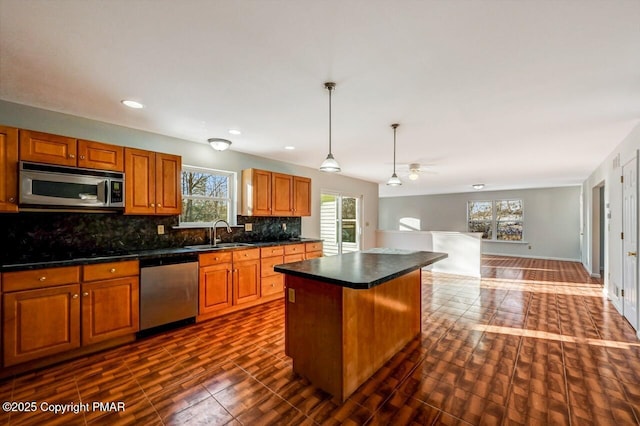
<point>330,87</point>
<point>395,126</point>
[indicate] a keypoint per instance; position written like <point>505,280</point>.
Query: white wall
<point>551,219</point>
<point>201,155</point>
<point>609,172</point>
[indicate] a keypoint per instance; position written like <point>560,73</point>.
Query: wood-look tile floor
<point>532,342</point>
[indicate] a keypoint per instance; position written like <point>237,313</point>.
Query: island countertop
<point>363,269</point>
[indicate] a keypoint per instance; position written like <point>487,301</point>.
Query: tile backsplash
<point>60,235</point>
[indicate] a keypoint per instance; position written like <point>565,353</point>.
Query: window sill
<point>505,241</point>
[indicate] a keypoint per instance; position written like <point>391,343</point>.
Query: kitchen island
<point>346,315</point>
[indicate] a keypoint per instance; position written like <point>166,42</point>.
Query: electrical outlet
<point>292,295</point>
<point>160,229</point>
<point>248,227</point>
<point>529,247</point>
<point>284,226</point>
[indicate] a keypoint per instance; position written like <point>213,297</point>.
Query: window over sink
<point>207,195</point>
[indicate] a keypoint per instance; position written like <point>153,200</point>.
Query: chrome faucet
<point>213,241</point>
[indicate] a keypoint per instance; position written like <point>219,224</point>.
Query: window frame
<point>231,200</point>
<point>494,219</point>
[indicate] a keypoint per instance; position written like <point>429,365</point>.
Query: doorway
<point>597,231</point>
<point>340,223</point>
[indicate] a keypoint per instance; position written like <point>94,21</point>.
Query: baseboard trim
<point>532,257</point>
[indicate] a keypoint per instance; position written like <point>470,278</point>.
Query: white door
<point>340,223</point>
<point>630,242</point>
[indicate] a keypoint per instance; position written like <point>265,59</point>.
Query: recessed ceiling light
<point>289,147</point>
<point>477,186</point>
<point>235,132</point>
<point>132,104</point>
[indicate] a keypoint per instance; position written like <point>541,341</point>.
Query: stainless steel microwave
<point>58,186</point>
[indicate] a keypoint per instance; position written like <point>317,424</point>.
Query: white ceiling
<point>513,94</point>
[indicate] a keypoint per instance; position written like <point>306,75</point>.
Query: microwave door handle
<point>107,193</point>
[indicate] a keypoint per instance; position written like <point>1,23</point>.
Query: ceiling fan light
<point>394,180</point>
<point>330,165</point>
<point>219,144</point>
<point>413,175</point>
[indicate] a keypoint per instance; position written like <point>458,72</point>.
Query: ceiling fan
<point>413,170</point>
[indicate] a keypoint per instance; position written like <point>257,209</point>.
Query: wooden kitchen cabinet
<point>293,253</point>
<point>215,283</point>
<point>266,193</point>
<point>65,151</point>
<point>8,169</point>
<point>301,196</point>
<point>40,313</point>
<point>313,250</point>
<point>47,312</point>
<point>246,276</point>
<point>110,301</point>
<point>282,196</point>
<point>152,183</point>
<point>271,282</point>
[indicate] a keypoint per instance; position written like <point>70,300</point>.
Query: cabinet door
<point>259,188</point>
<point>8,169</point>
<point>215,288</point>
<point>102,156</point>
<point>282,194</point>
<point>246,281</point>
<point>45,148</point>
<point>109,309</point>
<point>272,285</point>
<point>38,323</point>
<point>168,188</point>
<point>301,196</point>
<point>140,183</point>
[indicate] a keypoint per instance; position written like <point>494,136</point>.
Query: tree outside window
<point>502,218</point>
<point>206,196</point>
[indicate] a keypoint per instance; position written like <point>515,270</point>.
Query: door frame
<point>634,316</point>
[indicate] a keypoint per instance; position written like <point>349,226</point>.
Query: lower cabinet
<point>246,276</point>
<point>271,282</point>
<point>216,285</point>
<point>51,311</point>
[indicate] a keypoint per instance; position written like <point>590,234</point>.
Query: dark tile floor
<point>532,342</point>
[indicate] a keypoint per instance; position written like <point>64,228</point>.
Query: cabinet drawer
<point>207,259</point>
<point>313,247</point>
<point>105,271</point>
<point>272,251</point>
<point>294,249</point>
<point>267,264</point>
<point>294,258</point>
<point>313,254</point>
<point>272,285</point>
<point>241,255</point>
<point>40,278</point>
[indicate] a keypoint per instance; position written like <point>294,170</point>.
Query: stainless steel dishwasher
<point>168,291</point>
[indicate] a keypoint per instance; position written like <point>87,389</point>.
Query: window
<point>340,219</point>
<point>502,218</point>
<point>207,195</point>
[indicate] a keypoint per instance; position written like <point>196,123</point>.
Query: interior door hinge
<point>622,235</point>
<point>621,179</point>
<point>622,292</point>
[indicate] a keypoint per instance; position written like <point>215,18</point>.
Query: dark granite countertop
<point>361,270</point>
<point>35,261</point>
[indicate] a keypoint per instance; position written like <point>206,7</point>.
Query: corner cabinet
<point>266,193</point>
<point>152,182</point>
<point>8,169</point>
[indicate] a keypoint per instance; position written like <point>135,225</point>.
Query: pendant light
<point>394,180</point>
<point>330,164</point>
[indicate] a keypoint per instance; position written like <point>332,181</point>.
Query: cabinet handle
<point>72,156</point>
<point>42,278</point>
<point>85,294</point>
<point>273,285</point>
<point>112,270</point>
<point>12,200</point>
<point>159,205</point>
<point>153,205</point>
<point>75,296</point>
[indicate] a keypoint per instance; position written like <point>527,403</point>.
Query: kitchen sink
<point>218,246</point>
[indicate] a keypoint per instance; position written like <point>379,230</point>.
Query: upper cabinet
<point>266,193</point>
<point>8,169</point>
<point>152,182</point>
<point>65,151</point>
